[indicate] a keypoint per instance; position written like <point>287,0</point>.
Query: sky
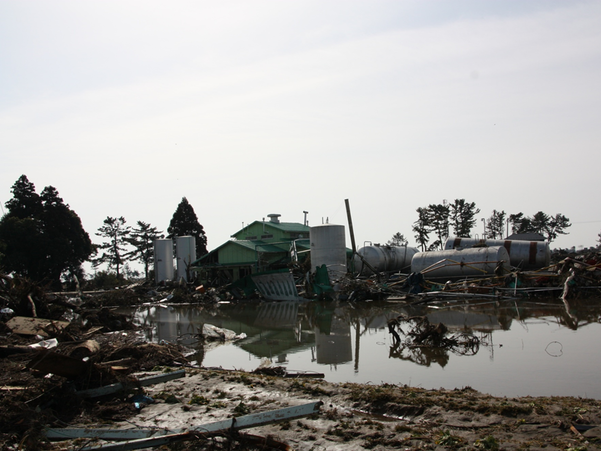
<point>249,108</point>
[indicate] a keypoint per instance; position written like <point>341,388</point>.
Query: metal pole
<point>350,225</point>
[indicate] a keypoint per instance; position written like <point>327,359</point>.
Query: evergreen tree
<point>185,223</point>
<point>421,228</point>
<point>495,226</point>
<point>67,244</point>
<point>519,223</point>
<point>439,223</point>
<point>26,203</point>
<point>398,239</point>
<point>548,226</point>
<point>463,217</point>
<point>116,232</point>
<point>556,226</point>
<point>23,247</point>
<point>41,237</point>
<point>142,239</point>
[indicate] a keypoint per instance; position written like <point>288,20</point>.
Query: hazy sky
<point>255,107</point>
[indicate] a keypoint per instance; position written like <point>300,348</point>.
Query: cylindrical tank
<point>383,259</point>
<point>163,260</point>
<point>328,248</point>
<point>185,249</point>
<point>449,264</point>
<point>522,254</point>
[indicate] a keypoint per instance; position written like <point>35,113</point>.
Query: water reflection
<point>353,342</point>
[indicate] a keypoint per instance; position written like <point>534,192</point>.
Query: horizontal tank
<point>522,254</point>
<point>459,263</point>
<point>383,259</point>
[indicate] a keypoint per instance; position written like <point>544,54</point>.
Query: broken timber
<point>145,438</point>
<point>24,325</point>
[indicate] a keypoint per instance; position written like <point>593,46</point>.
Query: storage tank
<point>185,250</point>
<point>522,254</point>
<point>163,260</point>
<point>383,259</point>
<point>458,263</point>
<point>328,247</point>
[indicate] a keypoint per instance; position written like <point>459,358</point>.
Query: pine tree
<point>548,226</point>
<point>185,223</point>
<point>142,239</point>
<point>463,217</point>
<point>40,236</point>
<point>398,239</point>
<point>421,228</point>
<point>116,232</point>
<point>67,243</point>
<point>26,203</point>
<point>495,226</point>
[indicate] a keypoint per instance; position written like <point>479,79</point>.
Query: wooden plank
<point>23,325</point>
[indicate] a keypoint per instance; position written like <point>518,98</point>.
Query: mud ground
<point>353,416</point>
<point>379,417</point>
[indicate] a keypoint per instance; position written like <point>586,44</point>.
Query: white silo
<point>185,249</point>
<point>328,247</point>
<point>163,260</point>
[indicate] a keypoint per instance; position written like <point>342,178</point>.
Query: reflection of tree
<point>424,343</point>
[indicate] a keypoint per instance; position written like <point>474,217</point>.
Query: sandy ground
<point>357,417</point>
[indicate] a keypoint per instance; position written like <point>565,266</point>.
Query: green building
<point>258,247</point>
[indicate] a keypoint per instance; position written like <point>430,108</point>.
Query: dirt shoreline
<point>358,417</point>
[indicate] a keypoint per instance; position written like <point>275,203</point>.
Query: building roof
<point>284,226</point>
<point>258,245</point>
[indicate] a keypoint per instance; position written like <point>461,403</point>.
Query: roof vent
<point>274,218</point>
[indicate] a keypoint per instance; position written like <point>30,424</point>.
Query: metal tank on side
<point>383,259</point>
<point>522,254</point>
<point>328,247</point>
<point>163,260</point>
<point>459,263</point>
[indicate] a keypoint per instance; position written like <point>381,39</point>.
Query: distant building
<point>258,247</point>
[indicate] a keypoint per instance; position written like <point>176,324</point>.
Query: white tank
<point>522,254</point>
<point>383,259</point>
<point>163,260</point>
<point>328,247</point>
<point>185,249</point>
<point>470,262</point>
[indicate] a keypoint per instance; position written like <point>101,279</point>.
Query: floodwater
<point>542,348</point>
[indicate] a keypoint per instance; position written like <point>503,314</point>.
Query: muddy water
<point>524,348</point>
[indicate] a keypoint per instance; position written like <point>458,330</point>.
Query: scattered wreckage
<point>74,353</point>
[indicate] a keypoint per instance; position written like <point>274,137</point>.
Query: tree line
<point>436,221</point>
<point>43,239</point>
